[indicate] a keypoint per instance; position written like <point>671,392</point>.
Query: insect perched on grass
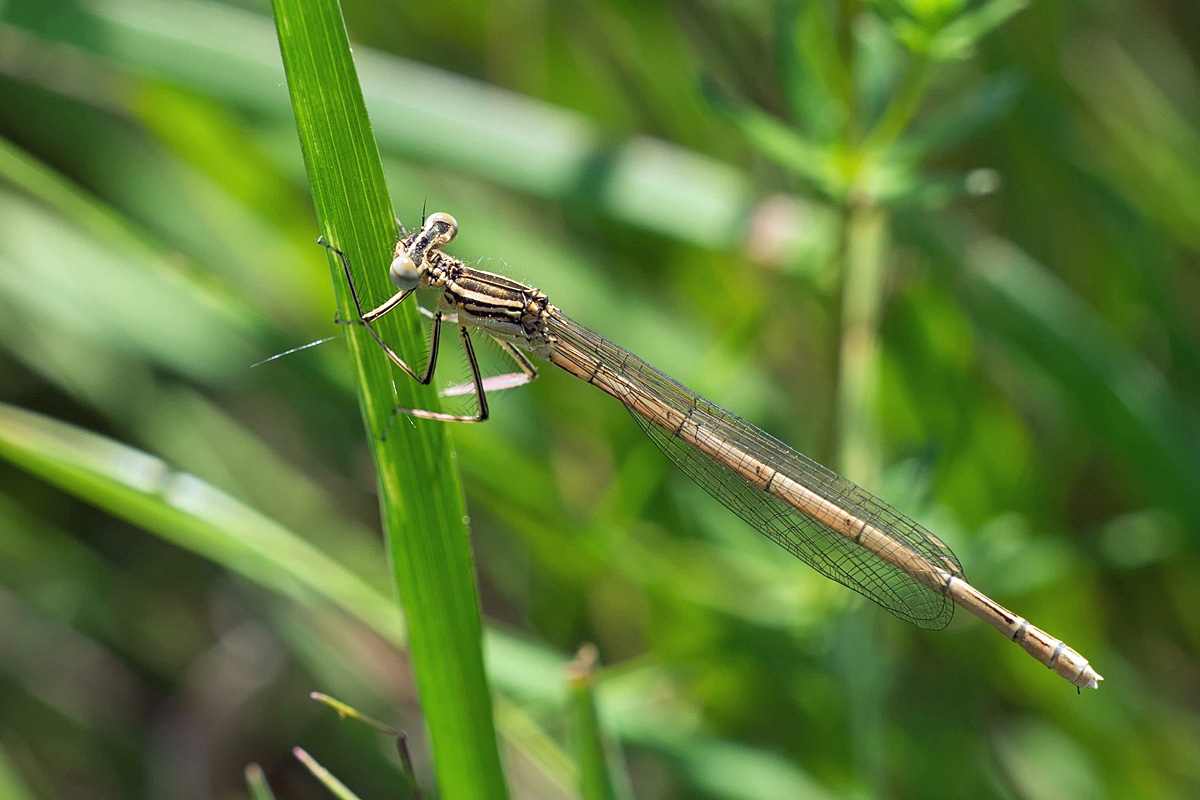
<point>836,527</point>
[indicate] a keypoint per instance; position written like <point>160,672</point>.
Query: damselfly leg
<point>365,320</point>
<point>481,413</point>
<point>477,385</point>
<point>493,383</point>
<point>510,380</point>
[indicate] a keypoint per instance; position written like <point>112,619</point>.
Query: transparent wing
<point>821,547</point>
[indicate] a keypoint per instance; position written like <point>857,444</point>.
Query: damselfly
<point>837,528</point>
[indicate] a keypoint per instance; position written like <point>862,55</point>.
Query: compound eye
<point>404,272</point>
<point>443,227</point>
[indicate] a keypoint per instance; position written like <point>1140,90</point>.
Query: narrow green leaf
<point>957,39</point>
<point>327,779</point>
<point>190,513</point>
<point>345,710</point>
<point>256,782</point>
<point>595,779</point>
<point>419,488</point>
<point>182,509</point>
<point>964,117</point>
<point>527,145</point>
<point>813,74</point>
<point>1137,136</point>
<point>1122,395</point>
<point>777,140</point>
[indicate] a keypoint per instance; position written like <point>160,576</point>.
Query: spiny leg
<point>509,380</point>
<point>374,314</point>
<point>480,394</point>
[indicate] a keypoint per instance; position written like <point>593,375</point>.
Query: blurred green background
<point>949,249</point>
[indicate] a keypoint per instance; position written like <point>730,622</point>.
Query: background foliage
<point>950,250</point>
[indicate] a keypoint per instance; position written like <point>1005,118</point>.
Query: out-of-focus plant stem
<point>864,254</point>
<point>862,257</point>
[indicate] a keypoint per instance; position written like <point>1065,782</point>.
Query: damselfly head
<point>442,227</point>
<point>404,271</point>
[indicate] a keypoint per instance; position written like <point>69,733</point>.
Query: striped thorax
<point>501,307</point>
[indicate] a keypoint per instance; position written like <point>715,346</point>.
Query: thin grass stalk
<point>419,488</point>
<point>595,776</point>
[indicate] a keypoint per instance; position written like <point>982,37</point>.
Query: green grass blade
<point>595,779</point>
<point>327,779</point>
<point>420,492</point>
<point>256,782</point>
<point>529,146</point>
<point>345,710</point>
<point>182,509</point>
<point>195,516</point>
<point>1122,395</point>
